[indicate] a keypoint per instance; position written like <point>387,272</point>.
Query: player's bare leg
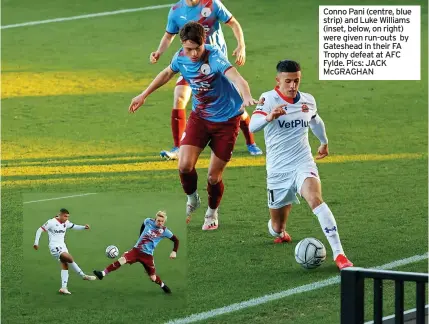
<point>68,259</point>
<point>156,279</point>
<point>110,268</point>
<point>277,224</point>
<point>188,156</point>
<point>250,139</point>
<point>215,189</point>
<point>182,94</point>
<point>311,190</point>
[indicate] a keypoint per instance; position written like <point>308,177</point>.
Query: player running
<point>215,117</point>
<point>285,115</point>
<point>152,232</point>
<point>56,228</point>
<point>210,14</point>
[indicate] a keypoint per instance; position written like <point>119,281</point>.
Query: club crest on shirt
<point>304,108</point>
<point>205,69</point>
<point>261,101</point>
<point>206,12</point>
<point>160,231</point>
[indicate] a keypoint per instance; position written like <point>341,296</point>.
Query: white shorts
<point>283,188</point>
<point>57,249</point>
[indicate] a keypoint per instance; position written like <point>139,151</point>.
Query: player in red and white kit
<point>285,114</point>
<point>56,228</point>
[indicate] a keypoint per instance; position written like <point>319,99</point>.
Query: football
<point>112,252</point>
<point>310,253</point>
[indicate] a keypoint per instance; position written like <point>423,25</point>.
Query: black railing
<point>352,294</point>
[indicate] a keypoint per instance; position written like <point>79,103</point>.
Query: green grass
<point>115,218</point>
<point>65,93</point>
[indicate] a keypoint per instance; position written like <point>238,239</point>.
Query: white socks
<point>64,278</point>
<point>270,229</point>
<point>193,199</point>
<point>77,269</point>
<point>329,227</point>
<point>211,212</point>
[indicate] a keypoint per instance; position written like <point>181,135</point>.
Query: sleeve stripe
<point>43,228</point>
<point>170,33</point>
<point>227,69</point>
<point>260,112</point>
<point>72,226</point>
<point>229,19</point>
<point>173,69</point>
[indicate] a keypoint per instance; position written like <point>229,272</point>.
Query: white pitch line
<point>99,14</point>
<point>34,201</point>
<point>297,290</point>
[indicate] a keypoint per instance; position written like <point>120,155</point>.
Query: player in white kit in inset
<point>56,228</point>
<point>285,114</point>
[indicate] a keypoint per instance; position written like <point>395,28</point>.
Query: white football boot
<point>86,277</point>
<point>211,222</point>
<point>64,291</point>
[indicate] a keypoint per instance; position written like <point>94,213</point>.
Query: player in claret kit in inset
<point>285,114</point>
<point>152,232</point>
<point>56,228</point>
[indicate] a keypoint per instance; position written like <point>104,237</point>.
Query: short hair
<point>162,214</point>
<point>64,211</point>
<point>288,66</point>
<point>193,31</point>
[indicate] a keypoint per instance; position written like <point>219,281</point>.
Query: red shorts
<point>134,255</point>
<point>220,136</point>
<point>181,81</point>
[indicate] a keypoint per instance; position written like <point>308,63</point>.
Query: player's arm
<point>175,246</point>
<point>162,78</point>
<point>240,51</point>
<point>224,15</point>
<point>232,74</point>
<point>78,227</point>
<point>39,232</point>
<point>265,114</point>
<point>165,43</point>
<point>169,234</point>
<point>317,127</point>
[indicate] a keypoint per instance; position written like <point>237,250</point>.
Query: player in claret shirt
<point>152,232</point>
<point>56,228</point>
<point>285,114</point>
<point>210,14</point>
<point>215,117</point>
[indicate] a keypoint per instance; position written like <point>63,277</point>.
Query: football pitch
<point>66,131</point>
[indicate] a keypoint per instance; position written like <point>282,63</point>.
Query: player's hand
<point>240,54</point>
<point>154,57</point>
<point>276,112</point>
<point>36,247</point>
<point>322,152</point>
<point>247,103</point>
<point>172,255</point>
<point>136,103</point>
<point>87,226</point>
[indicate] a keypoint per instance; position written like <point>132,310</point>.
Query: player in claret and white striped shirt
<point>56,228</point>
<point>285,114</point>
